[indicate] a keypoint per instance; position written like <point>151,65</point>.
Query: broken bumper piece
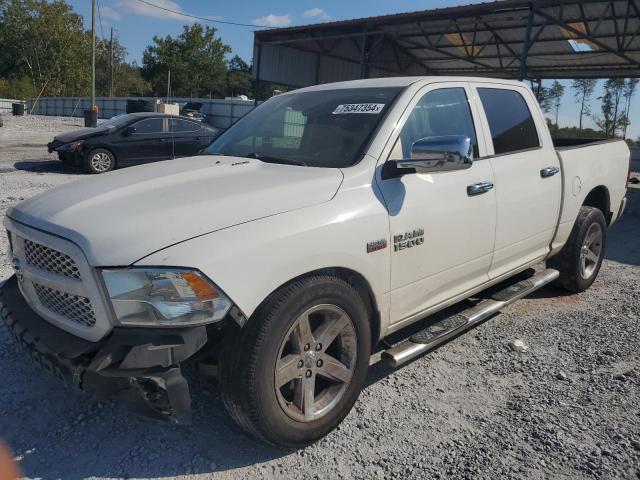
<point>140,367</point>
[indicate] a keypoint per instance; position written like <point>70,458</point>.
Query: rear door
<point>451,232</point>
<point>186,136</point>
<point>527,175</point>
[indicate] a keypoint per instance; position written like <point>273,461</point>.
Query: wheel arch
<point>353,278</point>
<point>599,198</point>
<point>101,147</point>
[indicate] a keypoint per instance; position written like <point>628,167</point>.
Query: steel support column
<point>527,44</point>
<point>256,83</point>
<point>363,56</point>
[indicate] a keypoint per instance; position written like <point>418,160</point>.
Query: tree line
<point>47,51</point>
<point>612,120</point>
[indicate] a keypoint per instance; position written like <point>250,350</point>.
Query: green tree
<point>582,90</point>
<point>127,78</point>
<point>543,96</point>
<point>613,116</point>
<point>239,78</point>
<point>129,81</point>
<point>617,89</point>
<point>45,42</point>
<point>544,99</point>
<point>18,88</point>
<point>628,93</point>
<point>196,60</point>
<point>573,132</point>
<point>555,97</point>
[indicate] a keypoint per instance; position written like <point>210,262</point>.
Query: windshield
<point>327,128</point>
<point>116,121</point>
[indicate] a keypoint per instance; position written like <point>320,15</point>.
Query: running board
<point>441,331</point>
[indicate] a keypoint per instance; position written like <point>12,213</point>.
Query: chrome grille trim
<point>70,300</point>
<point>50,260</point>
<point>68,305</point>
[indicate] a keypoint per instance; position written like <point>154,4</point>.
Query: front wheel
<point>99,160</point>
<point>580,259</point>
<point>295,370</point>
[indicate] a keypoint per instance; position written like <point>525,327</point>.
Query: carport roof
<point>506,39</point>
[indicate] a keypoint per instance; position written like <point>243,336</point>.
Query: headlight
<point>164,297</point>
<point>70,146</point>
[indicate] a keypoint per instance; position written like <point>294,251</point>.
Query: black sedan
<point>132,139</point>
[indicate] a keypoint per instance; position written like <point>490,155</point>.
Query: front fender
<point>251,260</point>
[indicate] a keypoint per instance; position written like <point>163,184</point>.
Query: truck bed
<point>595,163</point>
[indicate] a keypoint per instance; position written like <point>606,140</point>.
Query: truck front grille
<point>73,307</point>
<point>50,260</point>
<point>58,282</point>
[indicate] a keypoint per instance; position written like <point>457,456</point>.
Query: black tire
<point>568,261</point>
<point>99,160</point>
<point>248,364</point>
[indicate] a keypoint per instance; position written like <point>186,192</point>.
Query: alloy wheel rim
<point>591,251</point>
<point>100,162</point>
<point>315,363</point>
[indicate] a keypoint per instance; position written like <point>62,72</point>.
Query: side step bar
<point>439,332</point>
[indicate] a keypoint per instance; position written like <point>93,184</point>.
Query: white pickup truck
<point>320,223</point>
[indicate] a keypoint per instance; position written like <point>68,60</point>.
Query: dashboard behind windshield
<point>323,128</point>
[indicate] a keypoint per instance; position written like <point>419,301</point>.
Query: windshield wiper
<point>268,159</point>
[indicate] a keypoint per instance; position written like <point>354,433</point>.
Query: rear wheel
<point>295,370</point>
<point>580,259</point>
<point>99,160</point>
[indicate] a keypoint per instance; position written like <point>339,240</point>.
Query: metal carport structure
<point>505,39</point>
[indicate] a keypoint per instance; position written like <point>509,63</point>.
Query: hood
<point>81,134</point>
<point>119,217</point>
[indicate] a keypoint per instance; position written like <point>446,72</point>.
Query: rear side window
<point>181,126</point>
<point>510,121</point>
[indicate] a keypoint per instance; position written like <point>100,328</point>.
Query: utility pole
<point>111,64</point>
<point>93,54</point>
<point>168,85</point>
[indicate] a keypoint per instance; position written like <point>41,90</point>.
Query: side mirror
<point>438,154</point>
<point>128,131</point>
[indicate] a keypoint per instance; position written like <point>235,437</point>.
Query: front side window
<point>146,127</point>
<point>327,128</point>
<point>439,112</point>
<point>510,121</point>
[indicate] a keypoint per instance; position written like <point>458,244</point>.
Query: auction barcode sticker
<point>359,108</point>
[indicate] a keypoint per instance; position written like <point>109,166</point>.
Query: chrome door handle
<point>479,188</point>
<point>549,172</point>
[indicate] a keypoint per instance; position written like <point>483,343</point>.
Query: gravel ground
<point>567,407</point>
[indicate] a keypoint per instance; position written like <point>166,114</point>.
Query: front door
<point>527,176</point>
<point>442,236</point>
<point>149,142</point>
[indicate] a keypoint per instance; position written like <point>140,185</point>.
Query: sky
<point>135,24</point>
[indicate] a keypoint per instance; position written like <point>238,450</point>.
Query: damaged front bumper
<point>70,157</point>
<point>138,366</point>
